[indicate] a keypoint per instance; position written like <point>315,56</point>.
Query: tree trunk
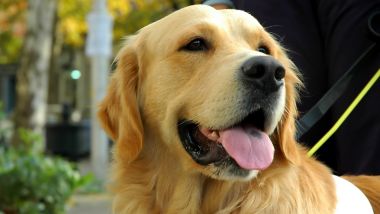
<point>32,75</point>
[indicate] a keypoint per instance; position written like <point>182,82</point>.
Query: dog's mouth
<point>244,142</point>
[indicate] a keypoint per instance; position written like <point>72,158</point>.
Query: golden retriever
<point>202,108</point>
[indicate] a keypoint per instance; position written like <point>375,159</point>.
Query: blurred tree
<point>63,24</point>
<point>129,16</point>
<point>32,76</point>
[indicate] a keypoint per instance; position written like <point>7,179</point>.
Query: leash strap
<point>324,104</point>
<point>346,113</point>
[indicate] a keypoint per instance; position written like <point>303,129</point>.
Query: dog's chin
<point>206,147</point>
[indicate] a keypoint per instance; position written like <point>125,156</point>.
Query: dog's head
<point>211,87</point>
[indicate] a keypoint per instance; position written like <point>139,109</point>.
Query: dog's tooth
<point>214,135</point>
<point>210,134</point>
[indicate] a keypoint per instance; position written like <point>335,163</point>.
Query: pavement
<point>93,203</point>
<point>90,204</point>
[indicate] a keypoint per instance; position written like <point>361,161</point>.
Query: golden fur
<point>156,84</point>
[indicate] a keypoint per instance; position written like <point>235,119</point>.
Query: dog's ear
<point>287,129</point>
<point>119,113</point>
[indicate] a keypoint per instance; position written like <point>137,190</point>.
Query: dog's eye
<point>197,44</point>
<point>263,49</point>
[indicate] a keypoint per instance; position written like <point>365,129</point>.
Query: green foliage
<point>31,182</point>
<point>12,29</point>
<point>31,142</point>
<point>72,21</point>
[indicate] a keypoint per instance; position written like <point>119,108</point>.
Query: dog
<point>202,109</point>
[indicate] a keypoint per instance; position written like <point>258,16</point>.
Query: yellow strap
<point>346,113</point>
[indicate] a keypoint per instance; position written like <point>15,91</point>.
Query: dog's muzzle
<point>245,141</point>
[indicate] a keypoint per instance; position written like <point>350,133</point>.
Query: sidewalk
<point>96,203</point>
<point>90,204</point>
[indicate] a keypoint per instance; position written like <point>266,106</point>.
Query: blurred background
<point>55,57</point>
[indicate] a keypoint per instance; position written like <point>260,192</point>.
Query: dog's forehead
<point>185,17</point>
<point>189,18</point>
<point>199,11</point>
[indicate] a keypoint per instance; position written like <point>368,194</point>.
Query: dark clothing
<point>324,38</point>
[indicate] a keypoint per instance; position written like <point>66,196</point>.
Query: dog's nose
<point>264,72</point>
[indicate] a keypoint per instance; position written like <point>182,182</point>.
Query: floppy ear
<point>119,112</point>
<point>287,128</point>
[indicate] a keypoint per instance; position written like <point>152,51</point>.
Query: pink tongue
<point>249,147</point>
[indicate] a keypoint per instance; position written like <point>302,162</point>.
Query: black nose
<point>263,72</point>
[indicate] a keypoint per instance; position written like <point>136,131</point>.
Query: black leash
<point>336,91</point>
